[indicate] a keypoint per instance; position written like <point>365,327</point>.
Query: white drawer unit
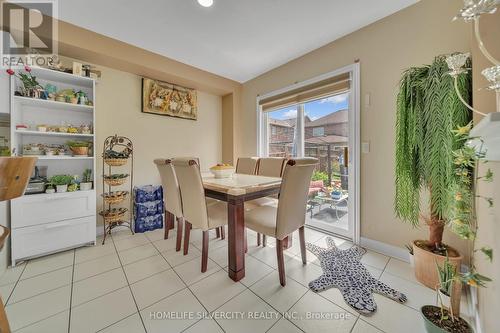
<point>46,223</point>
<point>30,210</point>
<point>52,237</point>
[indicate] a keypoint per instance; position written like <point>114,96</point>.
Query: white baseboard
<point>383,248</point>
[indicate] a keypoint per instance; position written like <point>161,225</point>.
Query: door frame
<point>354,137</point>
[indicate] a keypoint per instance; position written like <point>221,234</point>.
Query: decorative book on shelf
<point>117,183</point>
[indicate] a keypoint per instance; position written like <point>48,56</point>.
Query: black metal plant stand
<point>118,151</point>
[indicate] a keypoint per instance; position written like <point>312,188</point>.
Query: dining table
<point>235,191</point>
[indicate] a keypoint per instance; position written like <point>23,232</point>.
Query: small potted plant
<point>409,247</point>
<point>73,186</point>
<point>442,318</point>
<point>79,148</point>
<point>447,274</point>
<point>49,188</point>
<point>86,184</point>
<point>61,182</point>
<point>336,193</point>
<point>31,87</point>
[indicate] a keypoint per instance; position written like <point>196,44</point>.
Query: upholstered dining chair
<point>172,197</point>
<point>197,213</point>
<point>247,165</point>
<point>269,167</point>
<point>284,216</point>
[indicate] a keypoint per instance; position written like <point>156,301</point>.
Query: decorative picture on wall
<point>168,99</point>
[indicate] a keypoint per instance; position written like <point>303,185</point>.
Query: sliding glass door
<point>323,126</point>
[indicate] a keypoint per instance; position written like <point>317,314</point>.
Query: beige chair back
<point>171,193</point>
<point>194,205</point>
<point>271,166</point>
<point>247,165</point>
<point>293,195</point>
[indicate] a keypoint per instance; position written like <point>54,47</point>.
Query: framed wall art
<point>168,99</point>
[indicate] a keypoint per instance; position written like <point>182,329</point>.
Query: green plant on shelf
<point>87,176</point>
<point>78,144</point>
<point>61,180</point>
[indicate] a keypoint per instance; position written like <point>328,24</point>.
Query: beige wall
<point>118,111</point>
<point>488,218</point>
<point>410,37</point>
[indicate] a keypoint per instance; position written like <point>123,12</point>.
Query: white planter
<point>62,188</point>
<point>50,190</point>
<point>86,186</point>
<point>412,259</point>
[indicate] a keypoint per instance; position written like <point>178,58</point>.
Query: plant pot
<point>50,190</point>
<point>62,188</point>
<point>426,271</point>
<point>80,151</point>
<point>431,327</point>
<point>86,186</point>
<point>425,263</point>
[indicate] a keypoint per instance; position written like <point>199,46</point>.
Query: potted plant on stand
<point>428,109</point>
<point>61,182</point>
<point>86,183</point>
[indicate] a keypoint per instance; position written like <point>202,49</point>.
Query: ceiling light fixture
<point>206,3</point>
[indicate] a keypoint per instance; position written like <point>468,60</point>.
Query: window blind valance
<point>322,89</point>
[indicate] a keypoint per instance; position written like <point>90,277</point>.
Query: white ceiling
<point>235,39</point>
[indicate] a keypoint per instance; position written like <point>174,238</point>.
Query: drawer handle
<point>60,225</point>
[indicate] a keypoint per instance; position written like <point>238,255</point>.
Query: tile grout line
<point>71,292</point>
<point>128,284</point>
<point>15,285</point>
<point>187,286</point>
<point>353,326</point>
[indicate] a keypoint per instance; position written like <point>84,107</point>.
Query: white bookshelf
<point>46,223</point>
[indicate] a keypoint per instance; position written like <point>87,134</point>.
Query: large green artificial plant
<point>428,110</point>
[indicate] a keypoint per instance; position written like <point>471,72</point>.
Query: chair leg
<point>204,252</point>
<point>222,232</point>
<point>4,323</point>
<point>167,223</point>
<point>281,261</point>
<point>302,239</point>
<point>217,232</point>
<point>187,233</point>
<point>264,241</point>
<point>180,222</point>
<point>258,239</point>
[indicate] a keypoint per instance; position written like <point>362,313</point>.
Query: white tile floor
<point>132,282</point>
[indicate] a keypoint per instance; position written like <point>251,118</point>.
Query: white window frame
<point>354,134</point>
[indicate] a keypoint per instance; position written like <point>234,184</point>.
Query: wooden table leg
<point>236,232</point>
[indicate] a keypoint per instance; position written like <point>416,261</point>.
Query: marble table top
<point>239,184</point>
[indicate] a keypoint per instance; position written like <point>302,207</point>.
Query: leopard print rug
<point>342,269</point>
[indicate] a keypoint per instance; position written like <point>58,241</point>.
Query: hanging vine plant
<point>428,110</point>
